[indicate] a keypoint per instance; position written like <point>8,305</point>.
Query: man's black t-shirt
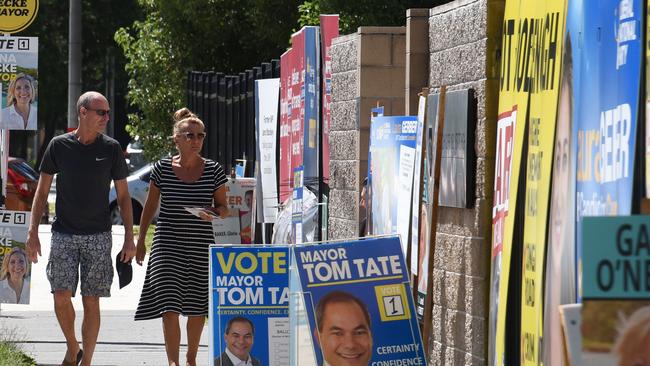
<point>83,181</point>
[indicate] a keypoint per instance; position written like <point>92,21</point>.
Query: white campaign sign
<point>267,94</point>
<point>404,192</point>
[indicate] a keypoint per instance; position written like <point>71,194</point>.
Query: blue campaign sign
<point>311,107</point>
<point>616,266</point>
<point>359,303</point>
<point>249,285</point>
<point>392,150</point>
<point>296,205</point>
<point>608,105</point>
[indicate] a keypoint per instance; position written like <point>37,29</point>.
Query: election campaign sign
<point>249,298</point>
<point>239,195</point>
<point>359,290</point>
<point>329,27</point>
<point>19,79</point>
<point>266,122</point>
<point>607,111</point>
<point>17,15</point>
<point>542,111</point>
<point>616,289</point>
<point>15,271</point>
<point>392,147</point>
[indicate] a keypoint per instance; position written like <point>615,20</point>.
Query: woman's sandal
<point>76,362</point>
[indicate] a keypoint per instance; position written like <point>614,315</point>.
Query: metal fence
<point>226,104</point>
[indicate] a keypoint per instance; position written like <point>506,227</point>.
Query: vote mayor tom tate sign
<point>17,15</point>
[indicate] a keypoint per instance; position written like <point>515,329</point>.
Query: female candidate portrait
<point>14,277</point>
<point>20,113</point>
<point>176,282</point>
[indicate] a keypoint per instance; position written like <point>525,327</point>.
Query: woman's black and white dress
<point>178,267</point>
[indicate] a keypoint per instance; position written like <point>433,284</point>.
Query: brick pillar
<point>417,57</point>
<point>367,68</point>
<point>464,42</point>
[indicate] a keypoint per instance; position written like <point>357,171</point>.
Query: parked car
<point>134,155</point>
<point>22,181</point>
<point>138,183</point>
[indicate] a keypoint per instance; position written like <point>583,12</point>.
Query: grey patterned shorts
<point>91,253</point>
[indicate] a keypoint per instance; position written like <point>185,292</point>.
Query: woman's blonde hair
<point>11,98</point>
<point>4,271</point>
<point>184,115</point>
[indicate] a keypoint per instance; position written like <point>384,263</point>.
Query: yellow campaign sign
<point>530,69</point>
<point>548,18</point>
<point>513,107</point>
<point>17,15</point>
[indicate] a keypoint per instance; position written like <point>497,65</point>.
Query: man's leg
<point>90,327</point>
<point>96,278</point>
<point>65,315</point>
<point>194,330</point>
<point>172,333</point>
<point>63,273</point>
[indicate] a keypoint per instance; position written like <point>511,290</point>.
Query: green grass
<point>10,353</point>
<point>149,239</point>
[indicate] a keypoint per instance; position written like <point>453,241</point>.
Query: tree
<point>354,14</point>
<point>100,19</point>
<point>181,35</point>
<point>225,36</point>
<point>154,86</point>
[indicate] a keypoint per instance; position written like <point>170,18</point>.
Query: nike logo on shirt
<point>100,159</point>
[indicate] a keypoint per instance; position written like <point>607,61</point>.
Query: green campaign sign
<point>617,264</point>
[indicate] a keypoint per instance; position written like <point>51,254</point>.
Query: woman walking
<point>176,281</point>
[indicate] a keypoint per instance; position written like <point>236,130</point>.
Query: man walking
<point>86,161</point>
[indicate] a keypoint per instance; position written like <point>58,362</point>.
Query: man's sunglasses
<point>192,135</point>
<point>100,112</point>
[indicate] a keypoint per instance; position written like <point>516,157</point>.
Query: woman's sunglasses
<point>191,135</point>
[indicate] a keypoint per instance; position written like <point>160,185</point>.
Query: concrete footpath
<point>122,341</point>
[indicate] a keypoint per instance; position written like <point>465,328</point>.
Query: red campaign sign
<point>329,25</point>
<point>297,66</point>
<point>505,146</point>
<point>285,125</point>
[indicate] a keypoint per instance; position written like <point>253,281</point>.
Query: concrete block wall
<point>464,43</point>
<point>417,57</point>
<point>368,68</point>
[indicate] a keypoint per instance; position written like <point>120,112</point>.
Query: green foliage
<point>226,36</point>
<point>148,240</point>
<point>100,20</point>
<point>11,356</point>
<point>156,84</point>
<point>178,36</point>
<point>10,353</point>
<point>354,14</point>
<point>309,12</point>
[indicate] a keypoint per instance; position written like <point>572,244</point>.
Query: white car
<point>138,183</point>
<point>135,155</point>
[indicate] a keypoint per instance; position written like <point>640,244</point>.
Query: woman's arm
<point>220,203</point>
<point>150,207</point>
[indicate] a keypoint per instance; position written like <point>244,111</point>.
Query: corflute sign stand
<point>249,304</point>
<point>313,304</point>
<point>358,303</point>
<point>18,71</point>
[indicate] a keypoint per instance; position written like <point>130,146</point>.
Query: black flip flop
<point>80,355</point>
<point>77,362</point>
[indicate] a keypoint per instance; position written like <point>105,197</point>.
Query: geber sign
<point>17,15</point>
